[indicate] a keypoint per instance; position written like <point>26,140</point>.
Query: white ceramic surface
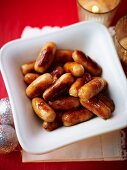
<point>90,37</point>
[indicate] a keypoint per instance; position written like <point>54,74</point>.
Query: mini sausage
<point>30,77</point>
<point>45,57</point>
<point>43,110</point>
<point>107,101</point>
<point>57,72</point>
<point>89,64</point>
<point>28,67</point>
<point>92,88</point>
<point>50,126</point>
<point>73,91</point>
<point>62,83</point>
<point>74,68</point>
<point>97,107</point>
<point>73,117</point>
<point>37,87</point>
<point>65,103</point>
<point>63,56</point>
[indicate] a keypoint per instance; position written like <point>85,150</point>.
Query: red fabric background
<point>14,16</point>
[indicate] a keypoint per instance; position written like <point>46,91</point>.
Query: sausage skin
<point>45,57</point>
<point>107,101</point>
<point>65,103</point>
<point>92,88</point>
<point>73,117</point>
<point>43,110</point>
<point>74,68</point>
<point>50,126</point>
<point>89,64</point>
<point>62,83</point>
<point>30,77</point>
<point>73,91</point>
<point>28,67</point>
<point>63,56</point>
<point>57,72</point>
<point>98,107</point>
<point>37,87</point>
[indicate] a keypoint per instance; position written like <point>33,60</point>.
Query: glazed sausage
<point>50,126</point>
<point>57,72</point>
<point>89,64</point>
<point>62,83</point>
<point>43,110</point>
<point>74,68</point>
<point>92,88</point>
<point>28,67</point>
<point>65,103</point>
<point>45,57</point>
<point>30,77</point>
<point>97,107</point>
<point>37,87</point>
<point>107,101</point>
<point>73,117</point>
<point>63,56</point>
<point>73,91</point>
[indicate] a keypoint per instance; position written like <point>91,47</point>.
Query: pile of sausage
<point>66,87</point>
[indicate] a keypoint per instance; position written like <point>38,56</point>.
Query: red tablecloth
<point>14,16</point>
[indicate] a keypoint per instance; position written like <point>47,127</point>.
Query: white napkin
<point>29,32</point>
<point>109,146</point>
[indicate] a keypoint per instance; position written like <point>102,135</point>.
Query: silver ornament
<point>8,139</point>
<point>5,112</point>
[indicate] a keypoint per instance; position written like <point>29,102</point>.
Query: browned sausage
<point>57,72</point>
<point>63,56</point>
<point>74,68</point>
<point>50,126</point>
<point>30,77</point>
<point>45,57</point>
<point>43,110</point>
<point>92,88</point>
<point>97,107</point>
<point>107,101</point>
<point>73,117</point>
<point>73,91</point>
<point>28,67</point>
<point>65,103</point>
<point>87,62</point>
<point>62,83</point>
<point>37,87</point>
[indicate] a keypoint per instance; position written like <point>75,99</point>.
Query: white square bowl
<point>90,37</point>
